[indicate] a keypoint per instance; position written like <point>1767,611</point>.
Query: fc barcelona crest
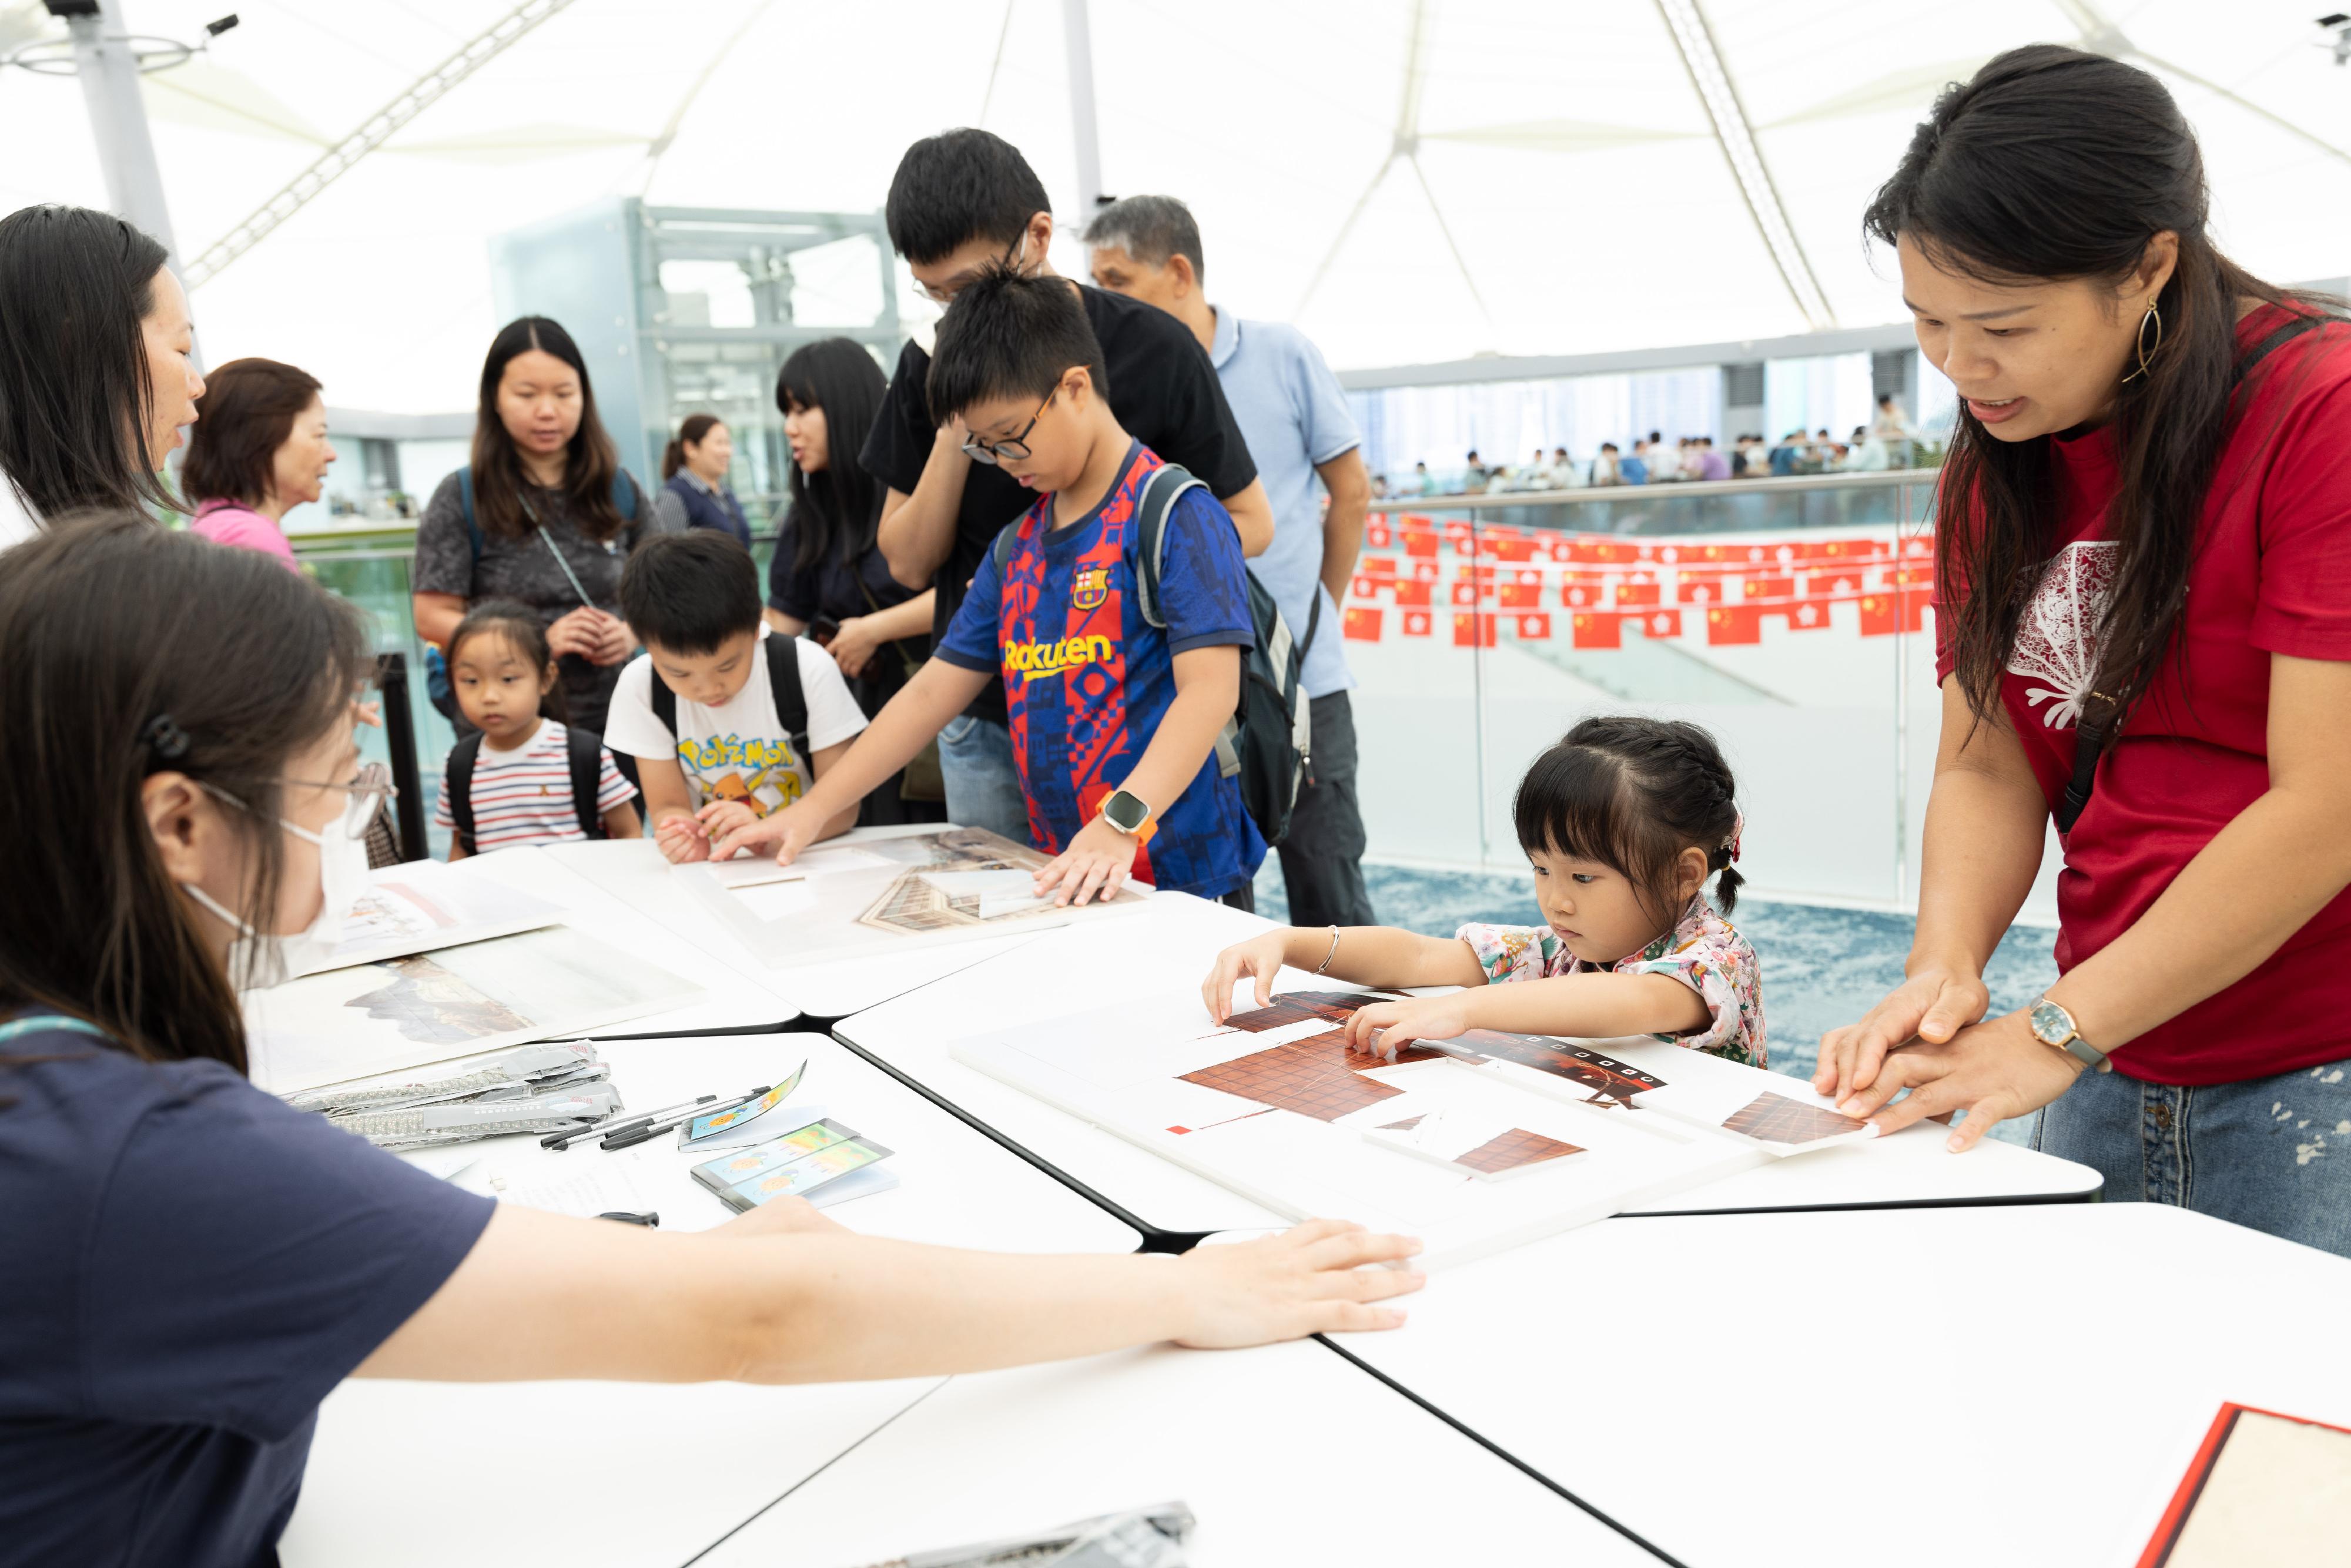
<point>1090,588</point>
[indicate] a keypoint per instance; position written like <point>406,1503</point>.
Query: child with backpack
<point>1120,674</point>
<point>729,720</point>
<point>523,776</point>
<point>1624,823</point>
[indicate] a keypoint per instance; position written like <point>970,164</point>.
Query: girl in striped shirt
<point>524,777</point>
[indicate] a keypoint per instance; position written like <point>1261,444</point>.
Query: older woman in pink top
<point>260,451</point>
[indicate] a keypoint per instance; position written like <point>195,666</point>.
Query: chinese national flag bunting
<point>1417,623</point>
<point>1659,622</point>
<point>1733,623</point>
<point>1412,595</point>
<point>1604,629</point>
<point>1809,616</point>
<point>1580,596</point>
<point>1363,624</point>
<point>1364,587</point>
<point>1472,629</point>
<point>1771,588</point>
<point>1632,595</point>
<point>1419,541</point>
<point>1883,614</point>
<point>1534,626</point>
<point>1378,535</point>
<point>1521,595</point>
<point>1507,548</point>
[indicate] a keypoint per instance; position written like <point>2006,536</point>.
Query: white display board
<point>920,888</point>
<point>1474,1145</point>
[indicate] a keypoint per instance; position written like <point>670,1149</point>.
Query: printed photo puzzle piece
<point>1776,1119</point>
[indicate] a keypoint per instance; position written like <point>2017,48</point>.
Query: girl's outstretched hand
<point>1260,958</point>
<point>1932,1005</point>
<point>1383,1028</point>
<point>1308,1279</point>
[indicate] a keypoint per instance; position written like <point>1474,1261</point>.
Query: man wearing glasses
<point>960,203</point>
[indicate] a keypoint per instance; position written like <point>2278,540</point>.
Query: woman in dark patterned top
<point>545,513</point>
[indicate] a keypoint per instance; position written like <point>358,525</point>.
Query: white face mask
<point>262,959</point>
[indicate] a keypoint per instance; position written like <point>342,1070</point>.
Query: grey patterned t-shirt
<point>524,569</point>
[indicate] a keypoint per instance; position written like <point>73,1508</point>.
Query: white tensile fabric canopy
<point>1408,179</point>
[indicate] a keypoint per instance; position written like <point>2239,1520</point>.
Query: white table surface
<point>1271,1448</point>
<point>734,1000</point>
<point>629,1475</point>
<point>1924,1387</point>
<point>1169,948</point>
<point>634,870</point>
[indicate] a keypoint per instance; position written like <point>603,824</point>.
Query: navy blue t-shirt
<point>1087,679</point>
<point>192,1266</point>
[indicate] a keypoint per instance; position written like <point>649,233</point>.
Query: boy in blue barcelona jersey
<point>1113,720</point>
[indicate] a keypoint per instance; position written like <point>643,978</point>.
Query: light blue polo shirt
<point>1293,415</point>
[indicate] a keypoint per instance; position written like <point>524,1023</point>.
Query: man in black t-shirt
<point>960,201</point>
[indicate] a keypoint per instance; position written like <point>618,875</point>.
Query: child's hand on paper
<point>1097,860</point>
<point>1260,958</point>
<point>1421,1017</point>
<point>682,839</point>
<point>1308,1279</point>
<point>783,834</point>
<point>720,818</point>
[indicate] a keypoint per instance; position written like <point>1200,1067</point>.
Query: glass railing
<point>1788,616</point>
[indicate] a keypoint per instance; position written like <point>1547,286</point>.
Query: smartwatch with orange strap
<point>1130,814</point>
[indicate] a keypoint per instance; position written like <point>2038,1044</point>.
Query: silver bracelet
<point>1333,953</point>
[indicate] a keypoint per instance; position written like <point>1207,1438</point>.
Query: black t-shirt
<point>192,1265</point>
<point>1163,389</point>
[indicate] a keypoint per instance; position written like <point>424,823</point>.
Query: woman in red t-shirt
<point>2144,630</point>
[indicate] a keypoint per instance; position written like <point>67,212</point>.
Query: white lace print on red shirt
<point>2057,641</point>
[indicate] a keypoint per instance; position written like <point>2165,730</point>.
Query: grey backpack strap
<point>1160,491</point>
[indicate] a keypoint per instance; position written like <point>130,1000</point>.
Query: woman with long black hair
<point>97,377</point>
<point>193,1265</point>
<point>828,578</point>
<point>544,513</point>
<point>2143,598</point>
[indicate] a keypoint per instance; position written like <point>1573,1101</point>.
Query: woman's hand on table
<point>1931,1005</point>
<point>1096,861</point>
<point>853,645</point>
<point>1260,958</point>
<point>1396,1025</point>
<point>1991,1070</point>
<point>1308,1279</point>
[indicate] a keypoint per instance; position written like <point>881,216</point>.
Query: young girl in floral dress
<point>1624,823</point>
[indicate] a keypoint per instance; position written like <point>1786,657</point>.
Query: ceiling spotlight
<point>2339,24</point>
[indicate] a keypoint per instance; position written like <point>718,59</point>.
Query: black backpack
<point>587,755</point>
<point>783,683</point>
<point>1270,739</point>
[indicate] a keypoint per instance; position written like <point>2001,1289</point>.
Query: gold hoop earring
<point>2144,351</point>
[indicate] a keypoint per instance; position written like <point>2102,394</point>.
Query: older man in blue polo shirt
<point>1295,419</point>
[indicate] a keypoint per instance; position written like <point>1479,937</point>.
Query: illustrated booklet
<point>886,891</point>
<point>1475,1143</point>
<point>371,1018</point>
<point>427,904</point>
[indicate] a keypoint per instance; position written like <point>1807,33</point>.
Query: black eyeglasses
<point>1016,447</point>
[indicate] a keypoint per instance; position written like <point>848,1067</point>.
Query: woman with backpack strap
<point>543,514</point>
<point>2143,613</point>
<point>695,493</point>
<point>193,1265</point>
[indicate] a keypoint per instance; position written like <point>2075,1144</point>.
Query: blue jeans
<point>2274,1153</point>
<point>983,782</point>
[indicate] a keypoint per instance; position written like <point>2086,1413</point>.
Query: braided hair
<point>1633,793</point>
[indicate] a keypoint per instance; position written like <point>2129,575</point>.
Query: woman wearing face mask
<point>259,449</point>
<point>2143,607</point>
<point>193,1265</point>
<point>96,377</point>
<point>544,513</point>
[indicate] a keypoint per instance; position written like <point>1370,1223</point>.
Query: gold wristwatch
<point>2053,1026</point>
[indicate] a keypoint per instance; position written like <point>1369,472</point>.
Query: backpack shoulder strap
<point>792,702</point>
<point>462,757</point>
<point>2279,337</point>
<point>1008,541</point>
<point>1160,490</point>
<point>466,500</point>
<point>587,753</point>
<point>664,701</point>
<point>624,495</point>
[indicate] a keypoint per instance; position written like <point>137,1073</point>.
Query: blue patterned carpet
<point>1821,967</point>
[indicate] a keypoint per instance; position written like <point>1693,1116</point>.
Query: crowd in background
<point>1889,441</point>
